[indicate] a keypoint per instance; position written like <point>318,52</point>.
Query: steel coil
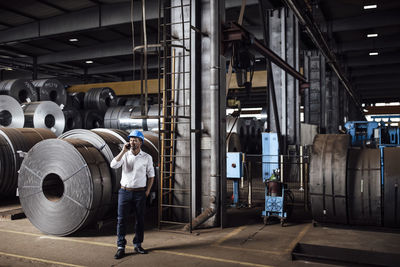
<point>76,100</point>
<point>13,140</point>
<point>11,114</point>
<point>73,119</point>
<point>51,89</point>
<point>20,89</point>
<point>328,169</point>
<point>391,199</point>
<point>92,119</point>
<point>129,118</point>
<point>99,99</point>
<point>45,114</point>
<point>363,187</point>
<point>64,185</point>
<point>107,143</point>
<point>150,145</point>
<point>133,102</point>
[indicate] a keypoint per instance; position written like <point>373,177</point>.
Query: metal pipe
<point>249,177</point>
<point>281,172</point>
<point>301,170</point>
<point>214,119</point>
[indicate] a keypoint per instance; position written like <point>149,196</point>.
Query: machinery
<point>275,189</point>
<point>234,171</point>
<point>354,177</point>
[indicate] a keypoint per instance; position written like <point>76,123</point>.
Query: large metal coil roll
<point>73,119</point>
<point>76,100</point>
<point>328,169</point>
<point>129,118</point>
<point>363,187</point>
<point>12,142</point>
<point>64,185</point>
<point>99,99</point>
<point>51,89</point>
<point>107,143</point>
<point>133,102</point>
<point>20,89</point>
<point>92,119</point>
<point>150,145</point>
<point>391,199</point>
<point>45,114</point>
<point>11,114</point>
<point>233,143</point>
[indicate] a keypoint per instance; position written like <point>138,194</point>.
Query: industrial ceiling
<point>91,40</point>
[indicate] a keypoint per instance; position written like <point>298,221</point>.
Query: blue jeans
<point>126,201</point>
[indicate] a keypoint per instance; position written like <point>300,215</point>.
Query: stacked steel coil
<point>71,175</point>
<point>92,119</point>
<point>11,114</point>
<point>64,185</point>
<point>99,99</point>
<point>346,183</point>
<point>20,89</point>
<point>73,119</point>
<point>130,118</point>
<point>14,141</point>
<point>45,114</point>
<point>51,89</point>
<point>76,100</point>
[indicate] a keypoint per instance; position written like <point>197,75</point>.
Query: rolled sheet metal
<point>13,140</point>
<point>73,119</point>
<point>11,114</point>
<point>150,145</point>
<point>129,118</point>
<point>51,89</point>
<point>107,143</point>
<point>64,185</point>
<point>44,114</point>
<point>328,169</point>
<point>99,99</point>
<point>92,119</point>
<point>76,100</point>
<point>363,187</point>
<point>391,200</point>
<point>20,89</point>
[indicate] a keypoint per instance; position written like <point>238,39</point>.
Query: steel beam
<point>382,59</point>
<point>370,44</point>
<point>375,70</point>
<point>382,110</point>
<point>367,21</point>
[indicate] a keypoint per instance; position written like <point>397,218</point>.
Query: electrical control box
<point>234,165</point>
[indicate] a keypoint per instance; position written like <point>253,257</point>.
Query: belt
<point>133,189</point>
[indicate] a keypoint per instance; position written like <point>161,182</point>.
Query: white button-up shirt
<point>134,168</point>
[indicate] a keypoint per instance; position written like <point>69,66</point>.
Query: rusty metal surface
<point>363,186</point>
<point>391,187</point>
<point>328,178</point>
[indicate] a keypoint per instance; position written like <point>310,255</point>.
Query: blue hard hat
<point>136,133</point>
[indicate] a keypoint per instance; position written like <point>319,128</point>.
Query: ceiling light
<point>373,53</point>
<point>89,61</point>
<point>73,40</point>
<point>258,60</point>
<point>371,35</point>
<point>370,6</point>
<point>8,68</point>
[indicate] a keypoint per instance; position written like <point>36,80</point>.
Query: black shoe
<point>120,254</point>
<point>140,250</point>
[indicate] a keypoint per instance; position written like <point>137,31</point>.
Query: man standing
<point>136,165</point>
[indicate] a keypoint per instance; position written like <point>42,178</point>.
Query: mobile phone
<point>128,146</point>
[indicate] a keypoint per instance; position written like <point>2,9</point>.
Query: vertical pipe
<point>281,172</point>
<point>249,177</point>
<point>301,170</point>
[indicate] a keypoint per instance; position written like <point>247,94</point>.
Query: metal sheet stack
<point>71,175</point>
<point>45,114</point>
<point>13,141</point>
<point>51,90</point>
<point>20,89</point>
<point>11,113</point>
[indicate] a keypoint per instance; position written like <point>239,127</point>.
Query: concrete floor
<point>246,242</point>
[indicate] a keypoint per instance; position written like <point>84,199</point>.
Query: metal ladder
<point>175,186</point>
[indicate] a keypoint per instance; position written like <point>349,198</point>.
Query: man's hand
<point>127,146</point>
<point>147,193</point>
